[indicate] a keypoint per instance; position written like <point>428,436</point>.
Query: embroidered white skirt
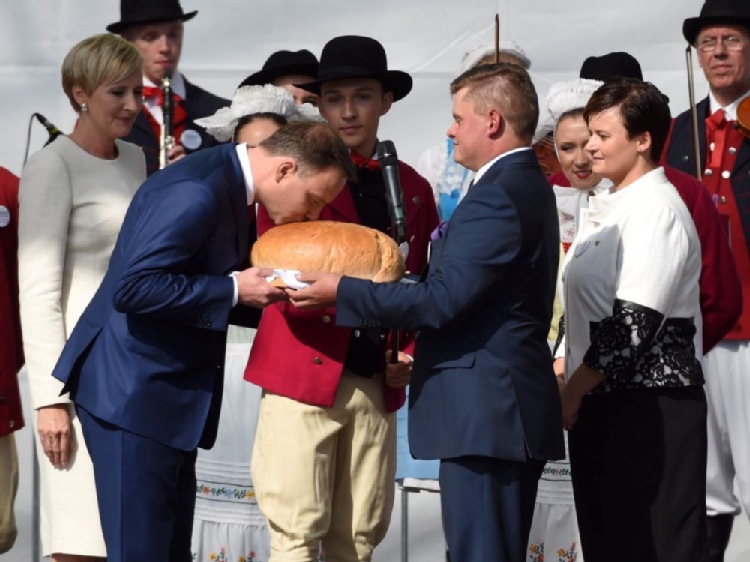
<point>228,525</point>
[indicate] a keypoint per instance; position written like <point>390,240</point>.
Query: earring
<point>84,107</point>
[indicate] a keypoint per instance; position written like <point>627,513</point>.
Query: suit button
<point>722,199</point>
<point>725,174</point>
<point>732,150</point>
<point>356,333</point>
<point>317,361</point>
<point>709,172</point>
<point>416,200</point>
<point>685,158</point>
<point>11,424</point>
<point>326,319</point>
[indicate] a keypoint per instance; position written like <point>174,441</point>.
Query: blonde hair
<point>505,87</point>
<point>97,60</point>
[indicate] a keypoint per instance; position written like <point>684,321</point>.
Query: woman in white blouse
<point>634,400</point>
<point>72,201</point>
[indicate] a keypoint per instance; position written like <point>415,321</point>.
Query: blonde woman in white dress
<point>73,197</point>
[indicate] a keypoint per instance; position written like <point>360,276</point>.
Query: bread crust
<point>336,247</point>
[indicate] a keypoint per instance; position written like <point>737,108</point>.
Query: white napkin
<point>289,277</point>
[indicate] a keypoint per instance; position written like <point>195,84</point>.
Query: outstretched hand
<point>321,292</point>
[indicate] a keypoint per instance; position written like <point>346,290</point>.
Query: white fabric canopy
<point>229,39</point>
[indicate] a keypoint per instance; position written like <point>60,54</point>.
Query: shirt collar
<point>246,172</point>
<point>178,84</point>
<point>488,165</point>
<point>730,111</point>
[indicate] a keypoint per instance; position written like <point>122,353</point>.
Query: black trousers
<point>638,461</point>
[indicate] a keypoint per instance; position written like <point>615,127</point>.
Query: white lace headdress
<point>472,57</point>
<point>249,100</point>
<point>561,98</point>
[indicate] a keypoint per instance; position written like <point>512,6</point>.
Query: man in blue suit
<point>483,396</point>
<point>144,365</point>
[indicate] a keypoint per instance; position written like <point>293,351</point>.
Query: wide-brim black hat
<point>139,12</point>
<point>352,56</point>
<point>716,12</point>
<point>607,66</point>
<point>284,63</point>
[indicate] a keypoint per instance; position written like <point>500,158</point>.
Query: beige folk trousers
<point>8,489</point>
<point>325,476</point>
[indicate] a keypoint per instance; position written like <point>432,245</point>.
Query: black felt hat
<point>139,12</point>
<point>612,64</point>
<point>284,63</point>
<point>352,56</point>
<point>715,12</point>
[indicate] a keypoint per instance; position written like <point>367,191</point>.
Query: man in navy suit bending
<point>483,396</point>
<point>145,362</point>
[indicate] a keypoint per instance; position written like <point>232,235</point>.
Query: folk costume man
<point>721,36</point>
<point>329,397</point>
<point>144,365</point>
<point>156,28</point>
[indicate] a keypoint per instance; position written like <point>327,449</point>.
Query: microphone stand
<point>388,159</point>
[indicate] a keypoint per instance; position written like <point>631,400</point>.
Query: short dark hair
<point>315,146</point>
<point>245,119</point>
<point>643,109</point>
<point>508,89</point>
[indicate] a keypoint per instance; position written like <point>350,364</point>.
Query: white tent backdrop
<point>229,39</point>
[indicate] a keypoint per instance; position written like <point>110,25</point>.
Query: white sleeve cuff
<point>236,295</point>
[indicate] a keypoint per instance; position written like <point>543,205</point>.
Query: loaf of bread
<point>336,247</point>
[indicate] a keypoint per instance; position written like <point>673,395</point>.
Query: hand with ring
<point>54,427</point>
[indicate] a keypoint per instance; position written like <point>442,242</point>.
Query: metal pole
<point>693,112</point>
<point>404,525</point>
<point>36,548</point>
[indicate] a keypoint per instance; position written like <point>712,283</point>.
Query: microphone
<point>53,131</point>
<point>388,159</point>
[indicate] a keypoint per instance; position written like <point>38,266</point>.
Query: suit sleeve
<point>483,240</point>
<point>163,239</point>
<point>45,203</point>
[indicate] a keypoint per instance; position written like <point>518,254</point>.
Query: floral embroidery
<point>536,553</point>
<point>222,556</point>
<point>556,471</point>
<point>226,492</point>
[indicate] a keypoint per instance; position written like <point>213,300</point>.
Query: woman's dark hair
<point>643,109</point>
<point>275,117</point>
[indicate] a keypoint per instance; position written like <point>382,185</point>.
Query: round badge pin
<point>191,139</point>
<point>4,216</point>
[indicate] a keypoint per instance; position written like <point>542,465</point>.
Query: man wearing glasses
<point>721,36</point>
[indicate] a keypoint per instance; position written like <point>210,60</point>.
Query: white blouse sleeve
<point>653,252</point>
<point>45,201</point>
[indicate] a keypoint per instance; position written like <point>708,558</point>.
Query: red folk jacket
<point>720,289</point>
<point>11,351</point>
<point>300,354</point>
